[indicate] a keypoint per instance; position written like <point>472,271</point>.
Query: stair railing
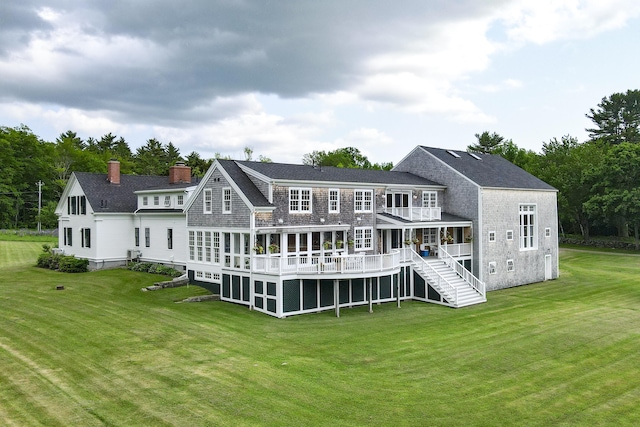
<point>465,274</point>
<point>433,277</point>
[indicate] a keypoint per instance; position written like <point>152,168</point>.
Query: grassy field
<point>101,352</point>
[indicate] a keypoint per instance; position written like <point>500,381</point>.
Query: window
<point>156,200</point>
<point>492,236</point>
<point>167,200</point>
<point>145,201</point>
<point>492,268</point>
<point>429,199</point>
<point>430,236</point>
<point>147,237</point>
<point>216,247</point>
<point>169,238</point>
<point>207,246</point>
<point>180,199</point>
<point>68,236</point>
<point>85,237</point>
<point>199,245</point>
<point>192,245</point>
<point>509,234</point>
<point>363,200</point>
<point>510,266</point>
<point>334,201</point>
<point>226,200</point>
<point>136,236</point>
<point>363,238</point>
<point>547,232</point>
<point>299,200</point>
<point>83,205</point>
<point>208,199</point>
<point>74,209</point>
<point>528,225</point>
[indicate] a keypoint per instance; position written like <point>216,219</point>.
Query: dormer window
<point>156,200</point>
<point>167,201</point>
<point>145,201</point>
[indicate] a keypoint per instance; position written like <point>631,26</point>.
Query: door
<point>547,268</point>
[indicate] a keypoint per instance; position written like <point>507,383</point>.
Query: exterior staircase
<point>450,279</point>
<point>466,294</point>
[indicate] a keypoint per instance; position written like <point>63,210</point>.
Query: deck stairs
<point>453,282</point>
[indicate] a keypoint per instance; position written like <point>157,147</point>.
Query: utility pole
<point>39,184</point>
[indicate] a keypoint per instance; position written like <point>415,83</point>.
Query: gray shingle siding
<point>500,210</point>
<point>240,216</point>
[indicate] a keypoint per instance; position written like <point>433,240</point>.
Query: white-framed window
<point>299,200</point>
<point>145,201</point>
<point>492,267</point>
<point>429,199</point>
<point>199,245</point>
<point>547,232</point>
<point>68,236</point>
<point>492,236</point>
<point>156,200</point>
<point>180,199</point>
<point>509,235</point>
<point>363,200</point>
<point>207,200</point>
<point>528,227</point>
<point>207,275</point>
<point>199,274</point>
<point>226,200</point>
<point>334,200</point>
<point>167,201</point>
<point>216,247</point>
<point>207,246</point>
<point>147,237</point>
<point>430,236</point>
<point>192,245</point>
<point>510,266</point>
<point>169,238</point>
<point>136,236</point>
<point>363,238</point>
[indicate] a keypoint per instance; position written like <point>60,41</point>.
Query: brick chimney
<point>179,173</point>
<point>113,171</point>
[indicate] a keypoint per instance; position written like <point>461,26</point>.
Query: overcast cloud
<point>285,77</point>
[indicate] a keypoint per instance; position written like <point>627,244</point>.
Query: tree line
<point>597,179</point>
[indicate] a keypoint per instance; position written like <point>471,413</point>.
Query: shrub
<point>71,264</point>
<point>146,267</point>
<point>49,260</point>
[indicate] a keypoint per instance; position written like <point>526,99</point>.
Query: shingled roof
<point>488,170</point>
<point>255,196</point>
<point>105,197</point>
<point>293,172</point>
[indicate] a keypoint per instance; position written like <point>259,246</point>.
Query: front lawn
<point>102,352</point>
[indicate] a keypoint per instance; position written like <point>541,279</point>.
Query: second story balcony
<point>416,214</point>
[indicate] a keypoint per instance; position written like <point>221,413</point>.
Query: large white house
<point>444,227</point>
<point>111,219</point>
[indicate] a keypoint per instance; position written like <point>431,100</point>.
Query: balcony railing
<point>457,249</point>
<point>314,265</point>
<point>416,214</point>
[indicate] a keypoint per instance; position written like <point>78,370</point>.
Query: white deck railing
<point>460,270</point>
<point>434,278</point>
<point>326,264</point>
<point>457,249</point>
<point>416,214</point>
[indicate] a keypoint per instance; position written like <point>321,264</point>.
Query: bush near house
<point>63,263</point>
<point>147,267</point>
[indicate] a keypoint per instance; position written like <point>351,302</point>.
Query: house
<point>442,227</point>
<point>113,218</point>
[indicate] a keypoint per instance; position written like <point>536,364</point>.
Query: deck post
<point>336,296</point>
<point>370,296</point>
<point>397,290</point>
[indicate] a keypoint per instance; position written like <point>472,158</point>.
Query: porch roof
<point>386,220</point>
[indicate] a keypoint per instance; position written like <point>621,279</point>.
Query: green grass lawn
<point>102,352</point>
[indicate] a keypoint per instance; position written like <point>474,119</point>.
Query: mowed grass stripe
<point>563,352</point>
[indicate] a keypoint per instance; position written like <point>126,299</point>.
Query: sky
<point>286,78</point>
